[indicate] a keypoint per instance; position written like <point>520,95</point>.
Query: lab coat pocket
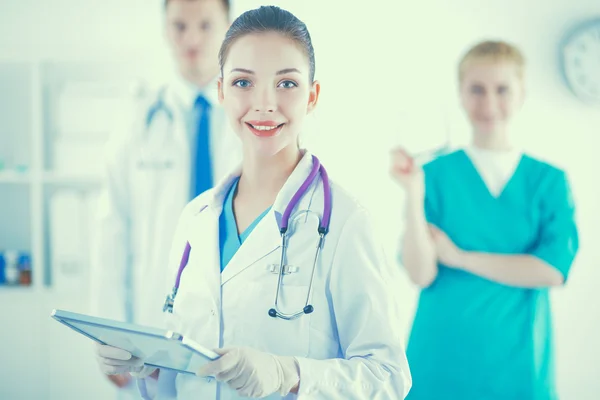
<point>154,165</point>
<point>274,335</point>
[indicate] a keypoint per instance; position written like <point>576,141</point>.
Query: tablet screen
<point>163,349</point>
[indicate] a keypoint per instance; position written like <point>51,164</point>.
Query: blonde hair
<point>495,52</point>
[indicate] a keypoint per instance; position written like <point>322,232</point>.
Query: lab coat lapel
<point>181,122</point>
<point>180,97</point>
<point>265,238</point>
<point>204,238</point>
<point>204,254</point>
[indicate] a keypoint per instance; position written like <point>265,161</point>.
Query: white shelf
<point>17,289</point>
<point>51,177</point>
<point>66,178</point>
<point>14,177</point>
<point>31,129</point>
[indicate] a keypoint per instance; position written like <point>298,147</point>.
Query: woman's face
<point>491,93</point>
<point>266,91</point>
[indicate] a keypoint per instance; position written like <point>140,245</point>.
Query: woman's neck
<point>491,141</point>
<point>263,177</point>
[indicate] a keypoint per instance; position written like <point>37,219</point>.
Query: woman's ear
<point>220,90</point>
<point>313,97</point>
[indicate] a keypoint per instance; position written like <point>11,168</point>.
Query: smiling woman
<point>489,231</point>
<point>277,80</point>
<point>295,312</point>
<point>267,91</point>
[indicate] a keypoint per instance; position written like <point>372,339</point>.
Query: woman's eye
<point>476,89</point>
<point>503,90</point>
<point>242,83</point>
<point>288,84</point>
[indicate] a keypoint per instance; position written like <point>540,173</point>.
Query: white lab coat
<point>148,176</point>
<point>350,347</point>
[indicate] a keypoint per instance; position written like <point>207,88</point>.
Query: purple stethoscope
<point>317,169</point>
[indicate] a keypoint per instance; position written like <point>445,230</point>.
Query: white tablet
<point>159,348</point>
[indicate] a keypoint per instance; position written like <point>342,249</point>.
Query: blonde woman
<point>489,231</point>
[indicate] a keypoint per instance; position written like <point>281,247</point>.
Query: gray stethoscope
<point>153,144</point>
<point>158,106</point>
<point>317,169</point>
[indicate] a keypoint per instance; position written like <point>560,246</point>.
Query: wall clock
<point>580,56</point>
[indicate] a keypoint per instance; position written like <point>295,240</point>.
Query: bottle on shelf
<point>11,267</point>
<point>2,265</point>
<point>15,268</point>
<point>25,269</point>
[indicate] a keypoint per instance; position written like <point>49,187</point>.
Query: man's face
<point>194,31</point>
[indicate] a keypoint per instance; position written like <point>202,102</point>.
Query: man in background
<point>177,146</point>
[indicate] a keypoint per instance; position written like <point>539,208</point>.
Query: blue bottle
<point>2,265</point>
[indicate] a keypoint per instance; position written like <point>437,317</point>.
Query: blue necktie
<point>202,173</point>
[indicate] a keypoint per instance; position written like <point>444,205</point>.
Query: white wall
<point>387,70</point>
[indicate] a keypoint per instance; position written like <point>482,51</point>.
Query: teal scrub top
<point>474,339</point>
<point>229,239</point>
